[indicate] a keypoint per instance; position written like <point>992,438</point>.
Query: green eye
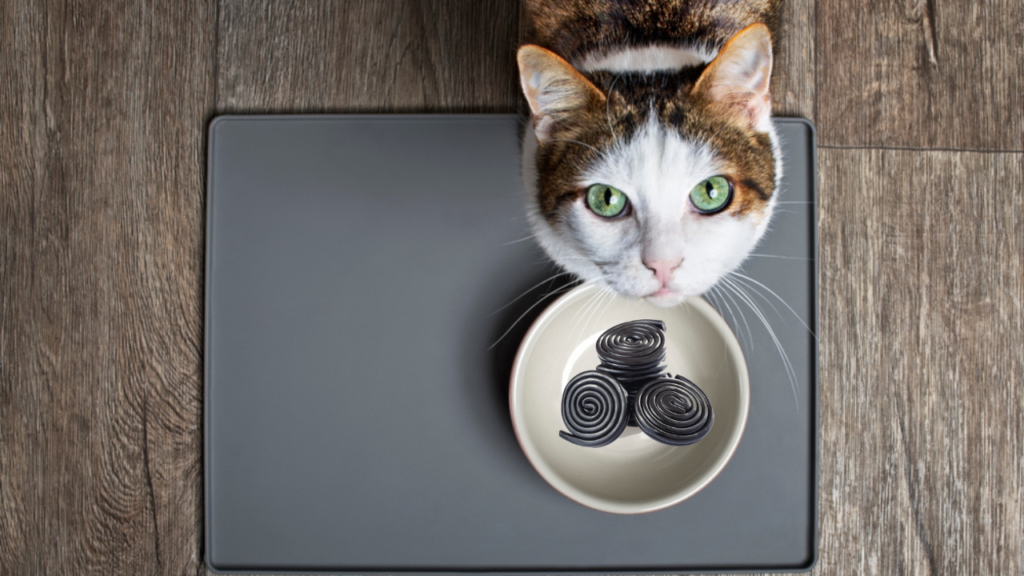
<point>606,201</point>
<point>711,195</point>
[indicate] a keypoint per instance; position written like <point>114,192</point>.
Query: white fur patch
<point>647,59</point>
<point>656,169</point>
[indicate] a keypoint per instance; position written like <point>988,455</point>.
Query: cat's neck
<point>646,59</point>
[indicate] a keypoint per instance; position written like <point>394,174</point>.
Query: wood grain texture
<point>397,56</point>
<point>792,85</point>
<point>103,112</point>
<point>103,116</point>
<point>921,74</point>
<point>922,403</point>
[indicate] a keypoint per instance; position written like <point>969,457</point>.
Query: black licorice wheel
<point>674,411</point>
<point>632,353</point>
<point>636,346</point>
<point>594,409</point>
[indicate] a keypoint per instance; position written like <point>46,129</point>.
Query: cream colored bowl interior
<point>634,474</point>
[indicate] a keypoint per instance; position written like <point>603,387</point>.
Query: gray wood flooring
<point>103,112</point>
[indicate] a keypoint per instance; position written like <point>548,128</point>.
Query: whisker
<point>722,296</point>
<point>759,295</point>
<point>575,142</point>
<point>781,257</point>
<point>601,265</point>
<point>523,315</point>
<point>545,260</point>
<point>750,280</point>
<point>722,359</point>
<point>576,314</point>
<point>790,372</point>
<point>517,241</point>
<point>787,365</point>
<point>576,317</point>
<point>743,318</point>
<point>610,302</point>
<point>528,290</point>
<point>710,297</point>
<point>590,314</point>
<point>592,303</point>
<point>571,284</point>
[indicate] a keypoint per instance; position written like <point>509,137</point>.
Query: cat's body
<point>653,165</point>
<point>578,30</point>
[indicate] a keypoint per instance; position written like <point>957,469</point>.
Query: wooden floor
<point>103,112</point>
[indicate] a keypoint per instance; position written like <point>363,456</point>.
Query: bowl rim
<point>603,504</point>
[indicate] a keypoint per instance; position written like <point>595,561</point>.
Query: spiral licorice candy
<point>637,345</point>
<point>633,353</point>
<point>674,411</point>
<point>593,409</point>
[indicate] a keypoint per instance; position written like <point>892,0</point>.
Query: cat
<point>651,165</point>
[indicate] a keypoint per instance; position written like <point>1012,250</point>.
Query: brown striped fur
<point>573,28</point>
<point>577,142</point>
<point>602,76</point>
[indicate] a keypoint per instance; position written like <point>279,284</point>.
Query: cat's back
<point>613,34</point>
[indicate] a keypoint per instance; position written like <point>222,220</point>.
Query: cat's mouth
<point>664,297</point>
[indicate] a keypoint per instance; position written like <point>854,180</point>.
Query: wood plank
<point>935,74</point>
<point>922,305</point>
<point>103,113</point>
<point>370,55</point>
<point>793,70</point>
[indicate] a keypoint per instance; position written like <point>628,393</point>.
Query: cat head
<point>654,184</point>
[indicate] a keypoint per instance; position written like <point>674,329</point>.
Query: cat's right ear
<point>735,83</point>
<point>555,90</point>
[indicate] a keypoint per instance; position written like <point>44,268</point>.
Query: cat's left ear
<point>736,82</point>
<point>558,94</point>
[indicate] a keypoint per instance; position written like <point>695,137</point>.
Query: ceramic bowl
<point>635,473</point>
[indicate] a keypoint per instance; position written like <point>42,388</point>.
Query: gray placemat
<point>355,418</point>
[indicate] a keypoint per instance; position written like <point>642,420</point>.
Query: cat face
<point>654,184</point>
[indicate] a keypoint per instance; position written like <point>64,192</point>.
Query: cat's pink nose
<point>662,269</point>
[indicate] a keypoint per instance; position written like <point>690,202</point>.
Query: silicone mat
<point>356,416</point>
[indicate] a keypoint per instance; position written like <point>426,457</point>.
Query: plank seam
<point>919,149</point>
